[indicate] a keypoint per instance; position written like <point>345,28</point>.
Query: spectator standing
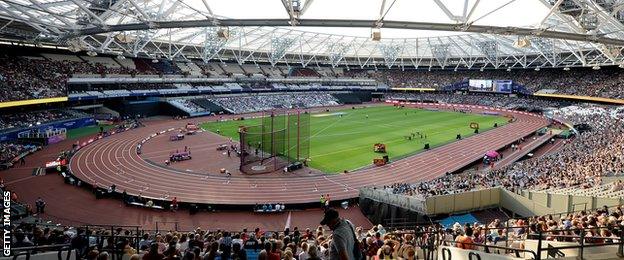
<point>153,253</point>
<point>343,242</point>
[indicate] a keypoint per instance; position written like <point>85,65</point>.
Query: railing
<point>432,240</point>
<point>429,239</point>
<point>27,252</point>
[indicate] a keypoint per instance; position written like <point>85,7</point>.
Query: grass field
<point>346,143</point>
<point>85,131</point>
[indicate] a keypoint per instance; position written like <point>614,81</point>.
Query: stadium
<point>312,129</point>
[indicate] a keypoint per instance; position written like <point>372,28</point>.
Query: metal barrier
<point>31,250</point>
<point>430,241</point>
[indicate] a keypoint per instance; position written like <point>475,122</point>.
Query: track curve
<point>99,163</point>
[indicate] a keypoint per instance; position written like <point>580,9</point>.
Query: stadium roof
<point>424,33</point>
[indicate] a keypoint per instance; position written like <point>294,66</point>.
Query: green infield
<point>85,131</point>
<point>343,139</point>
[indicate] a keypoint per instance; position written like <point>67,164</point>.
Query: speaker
<point>476,131</point>
<point>426,146</point>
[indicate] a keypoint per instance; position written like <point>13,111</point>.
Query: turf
<point>86,131</point>
<point>346,143</point>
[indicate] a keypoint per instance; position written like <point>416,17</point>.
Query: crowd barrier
<point>411,203</point>
<point>521,202</point>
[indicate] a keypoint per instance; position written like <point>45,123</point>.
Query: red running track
<point>99,162</point>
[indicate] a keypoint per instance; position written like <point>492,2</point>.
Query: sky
<point>520,13</point>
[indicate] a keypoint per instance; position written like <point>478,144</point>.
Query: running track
<point>99,162</point>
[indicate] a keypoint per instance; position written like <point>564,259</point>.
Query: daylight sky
<point>521,13</point>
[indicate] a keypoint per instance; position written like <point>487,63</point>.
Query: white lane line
<point>288,220</point>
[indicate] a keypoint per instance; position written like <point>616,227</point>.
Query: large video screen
<point>481,85</point>
<point>488,85</point>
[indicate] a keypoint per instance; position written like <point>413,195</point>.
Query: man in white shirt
<point>304,252</point>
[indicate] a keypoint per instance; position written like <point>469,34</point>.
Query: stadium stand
<point>188,106</point>
<point>59,67</point>
<point>211,69</point>
<point>11,152</point>
<point>514,237</point>
<point>22,79</point>
<point>515,103</point>
<point>303,72</point>
<point>578,168</point>
<point>503,139</point>
<point>252,69</point>
<point>232,69</point>
<point>577,81</point>
<point>189,68</point>
<point>144,67</point>
<point>252,103</point>
<point>29,119</point>
<point>207,105</point>
<point>166,67</point>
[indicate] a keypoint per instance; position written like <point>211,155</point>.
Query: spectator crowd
<point>581,162</point>
<point>22,78</point>
<point>34,118</point>
<point>10,151</point>
<point>32,77</point>
<point>605,82</point>
<point>493,100</point>
<point>253,103</point>
<point>187,105</point>
<point>600,226</point>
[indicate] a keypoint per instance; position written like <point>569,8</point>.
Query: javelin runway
<point>99,163</point>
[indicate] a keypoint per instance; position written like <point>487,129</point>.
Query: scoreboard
<point>488,85</point>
